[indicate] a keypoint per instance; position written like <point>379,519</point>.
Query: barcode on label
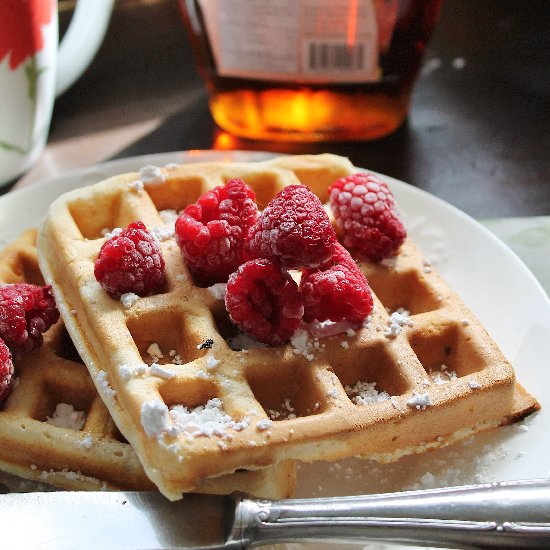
<point>323,56</point>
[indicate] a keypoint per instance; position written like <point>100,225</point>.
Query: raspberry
<point>130,262</point>
<point>336,292</point>
<point>294,230</point>
<point>365,212</point>
<point>263,300</point>
<point>211,233</point>
<point>6,371</point>
<point>26,311</point>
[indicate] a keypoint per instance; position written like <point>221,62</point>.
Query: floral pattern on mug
<point>22,28</point>
<point>21,38</point>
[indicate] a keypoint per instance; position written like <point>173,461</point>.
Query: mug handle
<point>81,41</point>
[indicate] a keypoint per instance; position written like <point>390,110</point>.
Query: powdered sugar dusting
<point>206,420</point>
<point>284,412</point>
<point>163,232</point>
<point>151,174</point>
<point>136,185</point>
<point>363,393</point>
<point>130,371</point>
<point>245,341</point>
<point>65,416</point>
<point>110,234</point>
<point>419,401</point>
<point>218,290</point>
<point>154,351</point>
<point>301,344</point>
<point>330,328</point>
<point>396,322</point>
<point>128,299</point>
<point>390,262</point>
<point>154,418</point>
<point>263,424</point>
<point>104,386</point>
<point>87,442</point>
<point>211,361</point>
<point>443,375</point>
<point>168,216</point>
<point>162,372</point>
<point>474,384</point>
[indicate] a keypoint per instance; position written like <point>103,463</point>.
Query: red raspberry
<point>294,230</point>
<point>211,233</point>
<point>263,300</point>
<point>26,311</point>
<point>6,371</point>
<point>130,262</point>
<point>336,292</point>
<point>365,211</point>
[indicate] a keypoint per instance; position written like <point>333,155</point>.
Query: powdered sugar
<point>363,393</point>
<point>163,232</point>
<point>126,372</point>
<point>244,341</point>
<point>419,401</point>
<point>65,416</point>
<point>166,231</point>
<point>129,371</point>
<point>330,328</point>
<point>443,375</point>
<point>162,372</point>
<point>211,362</point>
<point>206,420</point>
<point>128,299</point>
<point>151,174</point>
<point>90,291</point>
<point>390,262</point>
<point>396,322</point>
<point>154,351</point>
<point>284,412</point>
<point>301,345</point>
<point>87,442</point>
<point>168,216</point>
<point>110,234</point>
<point>218,290</point>
<point>136,185</point>
<point>154,418</point>
<point>263,424</point>
<point>104,386</point>
<point>176,357</point>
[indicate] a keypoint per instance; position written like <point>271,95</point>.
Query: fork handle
<point>497,515</point>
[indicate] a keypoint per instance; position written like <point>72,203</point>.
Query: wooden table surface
<point>477,136</point>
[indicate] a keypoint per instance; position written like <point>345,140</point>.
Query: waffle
<point>96,456</point>
<point>309,400</point>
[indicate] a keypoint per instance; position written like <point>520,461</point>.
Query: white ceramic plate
<point>490,278</point>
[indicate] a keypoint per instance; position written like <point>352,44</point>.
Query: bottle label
<point>299,40</point>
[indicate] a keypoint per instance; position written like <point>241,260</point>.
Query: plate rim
<point>403,189</point>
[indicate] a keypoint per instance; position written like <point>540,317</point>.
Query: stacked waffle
<point>420,374</point>
<point>56,429</point>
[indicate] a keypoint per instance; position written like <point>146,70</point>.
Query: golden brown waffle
<point>290,401</point>
<point>95,456</point>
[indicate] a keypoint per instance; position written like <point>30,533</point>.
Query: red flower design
<point>21,28</point>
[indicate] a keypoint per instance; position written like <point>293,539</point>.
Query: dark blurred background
<point>478,134</point>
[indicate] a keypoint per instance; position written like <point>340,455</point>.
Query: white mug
<point>35,68</point>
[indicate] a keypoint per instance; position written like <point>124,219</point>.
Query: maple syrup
<point>348,75</point>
